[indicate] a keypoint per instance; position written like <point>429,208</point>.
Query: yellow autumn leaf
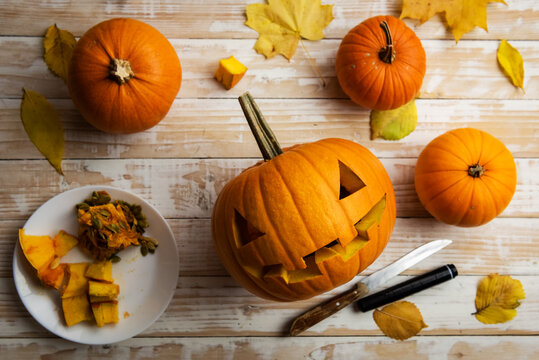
<point>461,15</point>
<point>281,23</point>
<point>511,62</point>
<point>394,124</point>
<point>400,320</point>
<point>58,47</point>
<point>497,298</point>
<point>42,124</point>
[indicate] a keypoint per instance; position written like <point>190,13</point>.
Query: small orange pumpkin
<point>381,63</point>
<point>305,220</point>
<point>465,177</point>
<point>124,76</point>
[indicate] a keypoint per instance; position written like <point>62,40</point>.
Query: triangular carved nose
<point>244,231</point>
<point>349,181</point>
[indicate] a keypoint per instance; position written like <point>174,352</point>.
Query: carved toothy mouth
<point>330,250</point>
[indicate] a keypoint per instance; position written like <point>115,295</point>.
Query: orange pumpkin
<point>123,76</point>
<point>465,177</point>
<point>305,220</point>
<point>381,63</point>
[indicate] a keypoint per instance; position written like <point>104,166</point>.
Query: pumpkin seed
<point>96,223</point>
<point>104,213</point>
<point>113,228</point>
<point>144,250</point>
<point>115,258</point>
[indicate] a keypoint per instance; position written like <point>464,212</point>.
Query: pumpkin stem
<point>387,54</point>
<point>476,171</point>
<point>266,140</point>
<point>120,70</point>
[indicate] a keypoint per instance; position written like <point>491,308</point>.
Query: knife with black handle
<point>407,288</point>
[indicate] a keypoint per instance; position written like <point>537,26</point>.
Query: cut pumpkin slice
<point>77,283</point>
<point>38,249</point>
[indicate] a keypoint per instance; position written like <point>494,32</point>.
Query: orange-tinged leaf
<point>400,320</point>
<point>58,48</point>
<point>497,298</point>
<point>511,62</point>
<point>461,15</point>
<point>281,23</point>
<point>43,126</point>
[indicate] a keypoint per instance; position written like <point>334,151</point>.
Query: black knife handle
<point>406,288</point>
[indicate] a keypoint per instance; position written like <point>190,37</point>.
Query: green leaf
<point>42,124</point>
<point>511,63</point>
<point>394,124</point>
<point>58,45</point>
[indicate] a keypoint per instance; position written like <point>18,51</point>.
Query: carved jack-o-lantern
<point>305,220</point>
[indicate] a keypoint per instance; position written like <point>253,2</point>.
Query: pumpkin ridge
<point>277,167</point>
<point>464,146</point>
<point>447,188</point>
<point>489,191</point>
<point>494,178</point>
<point>456,156</point>
<point>494,157</point>
<point>329,186</point>
<point>285,249</point>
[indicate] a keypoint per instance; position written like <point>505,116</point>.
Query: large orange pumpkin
<point>124,76</point>
<point>305,220</point>
<point>465,177</point>
<point>381,63</point>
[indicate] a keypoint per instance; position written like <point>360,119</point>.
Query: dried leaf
<point>42,124</point>
<point>394,124</point>
<point>497,298</point>
<point>400,320</point>
<point>461,15</point>
<point>281,23</point>
<point>511,62</point>
<point>58,45</point>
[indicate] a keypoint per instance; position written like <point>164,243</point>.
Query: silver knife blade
<point>362,288</point>
<point>413,257</point>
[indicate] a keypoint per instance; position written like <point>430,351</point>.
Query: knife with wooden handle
<point>320,312</point>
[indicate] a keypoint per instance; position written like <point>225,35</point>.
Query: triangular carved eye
<point>244,231</point>
<point>349,181</point>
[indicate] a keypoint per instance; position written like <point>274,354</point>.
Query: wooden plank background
<point>181,165</point>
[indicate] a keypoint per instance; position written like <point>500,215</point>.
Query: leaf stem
<point>265,138</point>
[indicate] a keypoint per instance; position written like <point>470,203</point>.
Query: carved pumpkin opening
<point>312,260</point>
<point>244,231</point>
<point>349,181</point>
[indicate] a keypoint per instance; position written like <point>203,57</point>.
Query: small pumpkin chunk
<point>230,72</point>
<point>63,242</point>
<point>76,309</point>
<point>105,313</point>
<point>39,250</point>
<point>101,271</point>
<point>100,291</point>
<point>52,276</point>
<point>77,283</point>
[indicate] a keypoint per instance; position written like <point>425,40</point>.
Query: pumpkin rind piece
<point>105,313</point>
<point>77,283</point>
<point>38,250</point>
<point>99,291</point>
<point>63,242</point>
<point>53,277</point>
<point>101,271</point>
<point>76,309</point>
<point>465,177</point>
<point>123,76</point>
<point>371,79</point>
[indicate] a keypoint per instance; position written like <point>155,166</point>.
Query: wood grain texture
<point>188,188</point>
<point>200,128</point>
<point>503,245</point>
<point>218,306</point>
<point>467,70</point>
<point>271,348</point>
<point>225,19</point>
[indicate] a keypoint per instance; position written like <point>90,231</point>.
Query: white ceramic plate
<point>147,283</point>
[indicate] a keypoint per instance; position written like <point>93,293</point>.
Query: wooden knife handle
<point>320,312</point>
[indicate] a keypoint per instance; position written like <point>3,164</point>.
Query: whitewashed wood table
<point>181,165</point>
